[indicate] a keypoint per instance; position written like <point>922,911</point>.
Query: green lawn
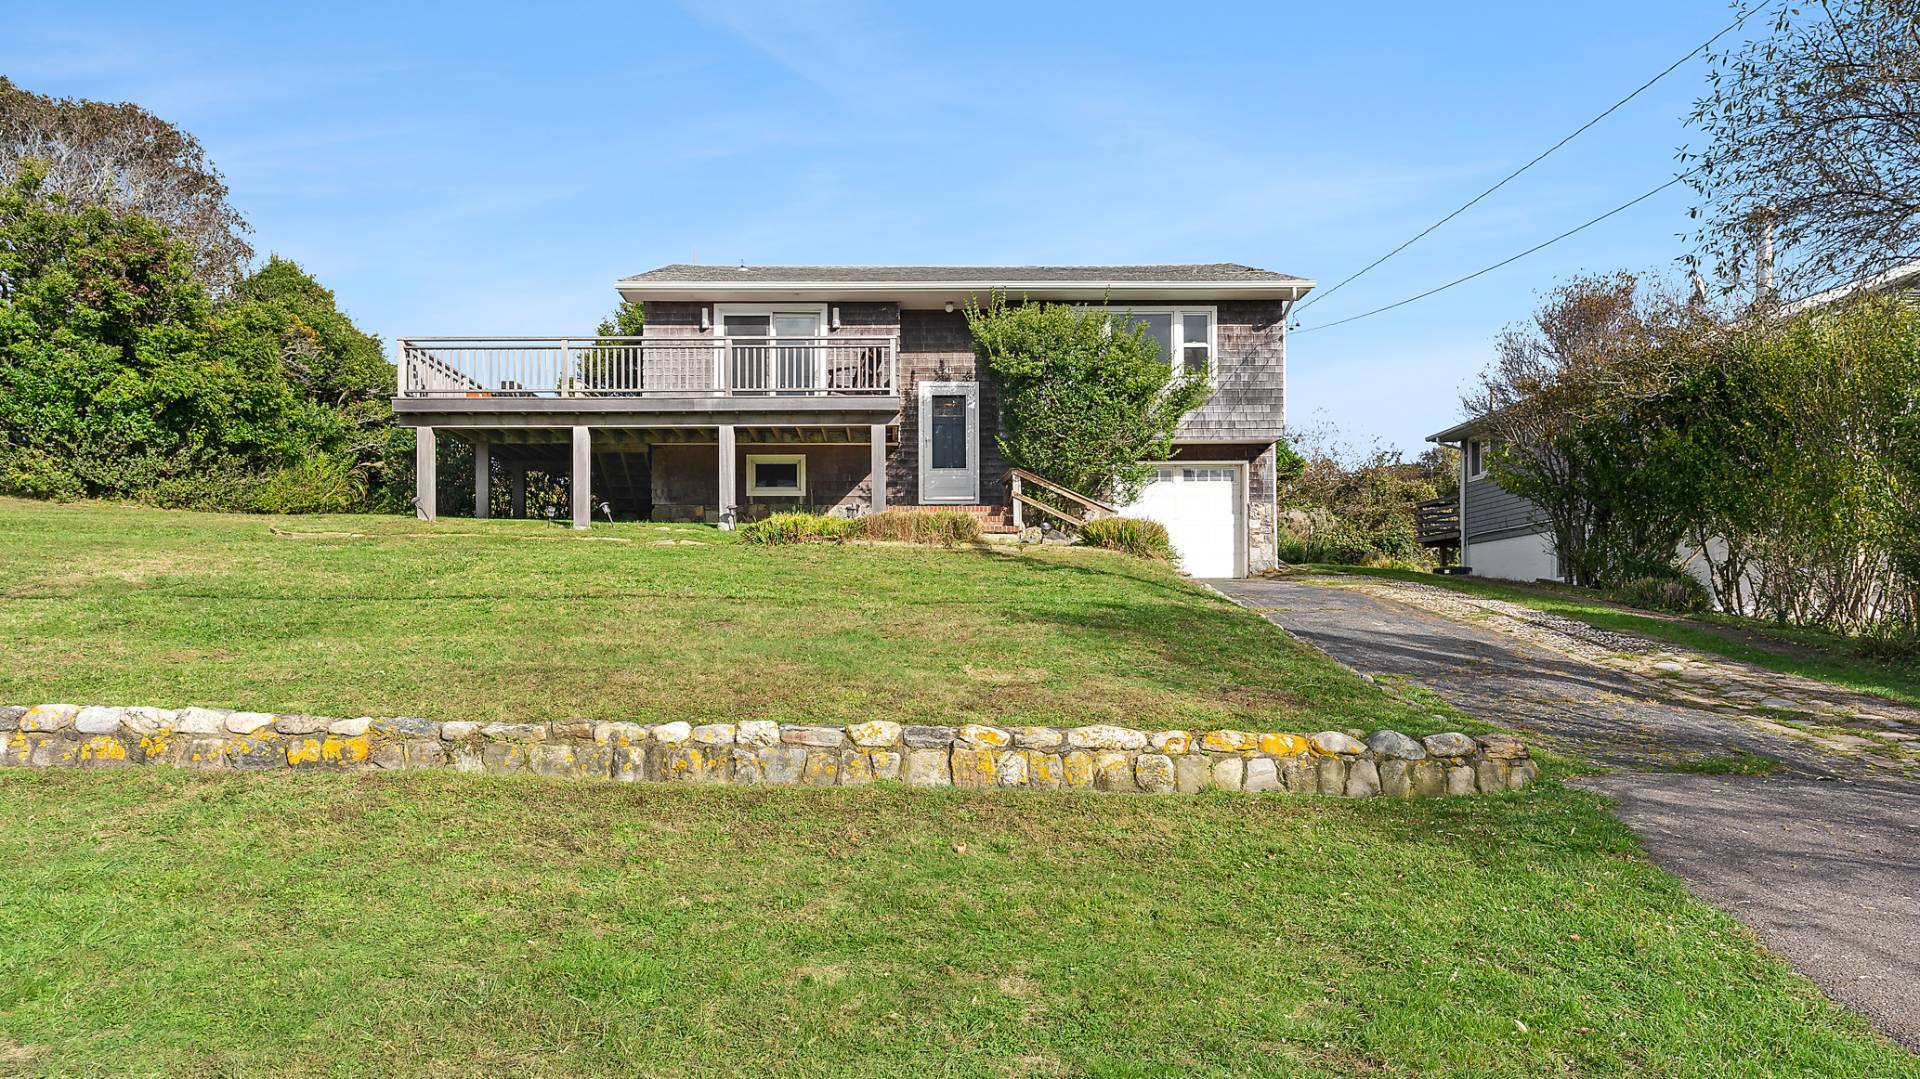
<point>175,923</point>
<point>1811,653</point>
<point>163,922</point>
<point>489,620</point>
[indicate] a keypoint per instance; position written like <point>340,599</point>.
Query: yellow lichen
<point>1229,741</point>
<point>102,747</point>
<point>1282,745</point>
<point>345,750</point>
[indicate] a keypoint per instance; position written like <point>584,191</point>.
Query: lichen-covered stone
<point>49,717</point>
<point>249,722</point>
<point>1113,771</point>
<point>1076,770</point>
<point>300,725</point>
<point>929,768</point>
<point>426,753</point>
<point>1522,773</point>
<point>981,736</point>
<point>611,733</point>
<point>757,732</point>
<point>1448,744</point>
<point>974,769</point>
<point>255,752</point>
<point>595,761</point>
<point>1392,745</point>
<point>1282,745</point>
<point>874,734</point>
<point>10,716</point>
<point>349,728</point>
<point>1363,779</point>
<point>1459,780</point>
<point>570,730</point>
<point>1490,775</point>
<point>1190,774</point>
<point>1010,766</point>
<point>97,719</point>
<point>820,737</point>
<point>884,763</point>
<point>671,734</point>
<point>1045,771</point>
<point>388,755</point>
<point>748,769</point>
<point>1154,773</point>
<point>506,757</point>
<point>146,722</point>
<point>404,727</point>
<point>1171,743</point>
<point>1106,736</point>
<point>632,762</point>
<point>1262,775</point>
<point>1230,741</point>
<point>784,764</point>
<point>856,769</point>
<point>465,757</point>
<point>1039,737</point>
<point>714,734</point>
<point>688,763</point>
<point>1336,744</point>
<point>1299,775</point>
<point>101,751</point>
<point>1502,747</point>
<point>1228,773</point>
<point>1330,776</point>
<point>919,737</point>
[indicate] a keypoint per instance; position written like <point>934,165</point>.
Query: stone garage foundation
<point>764,753</point>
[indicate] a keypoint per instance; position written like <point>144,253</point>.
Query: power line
<point>1464,207</point>
<point>1502,262</point>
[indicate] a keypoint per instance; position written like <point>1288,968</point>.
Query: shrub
<point>1675,591</point>
<point>316,485</point>
<point>947,528</point>
<point>1132,535</point>
<point>782,528</point>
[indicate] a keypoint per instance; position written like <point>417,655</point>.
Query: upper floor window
<point>1476,459</point>
<point>1184,335</point>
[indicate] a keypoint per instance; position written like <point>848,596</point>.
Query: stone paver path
<point>1821,858</point>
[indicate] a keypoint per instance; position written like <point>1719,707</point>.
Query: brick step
<point>994,519</point>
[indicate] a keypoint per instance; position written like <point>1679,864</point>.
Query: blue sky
<point>488,168</point>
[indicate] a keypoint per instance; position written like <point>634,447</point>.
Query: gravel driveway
<point>1821,859</point>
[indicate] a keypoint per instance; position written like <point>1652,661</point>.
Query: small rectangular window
<point>1476,459</point>
<point>783,474</point>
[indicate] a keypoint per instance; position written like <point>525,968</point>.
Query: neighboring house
<point>849,389</point>
<point>1504,535</point>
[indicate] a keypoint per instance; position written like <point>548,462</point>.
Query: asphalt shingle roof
<point>1207,272</point>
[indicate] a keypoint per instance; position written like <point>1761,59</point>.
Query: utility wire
<point>1502,262</point>
<point>1703,46</point>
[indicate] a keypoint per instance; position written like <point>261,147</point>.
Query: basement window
<point>777,474</point>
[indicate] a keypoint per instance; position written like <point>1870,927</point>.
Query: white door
<point>950,442</point>
<point>1200,505</point>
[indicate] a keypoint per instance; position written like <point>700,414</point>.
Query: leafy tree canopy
<point>1085,395</point>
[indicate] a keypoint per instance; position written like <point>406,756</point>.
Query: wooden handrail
<point>1017,478</point>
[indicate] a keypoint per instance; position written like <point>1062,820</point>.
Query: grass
<point>164,922</point>
<point>1810,653</point>
<point>178,923</point>
<point>488,620</point>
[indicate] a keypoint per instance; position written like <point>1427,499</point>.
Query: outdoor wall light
<point>705,322</point>
<point>834,319</point>
<point>949,307</point>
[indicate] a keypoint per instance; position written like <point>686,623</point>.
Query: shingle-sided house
<point>848,389</point>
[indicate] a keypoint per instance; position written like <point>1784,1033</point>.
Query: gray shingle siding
<point>1491,510</point>
<point>1250,398</point>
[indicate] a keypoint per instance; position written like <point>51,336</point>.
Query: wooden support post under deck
<point>517,490</point>
<point>727,504</point>
<point>581,480</point>
<point>426,478</point>
<point>482,479</point>
<point>878,480</point>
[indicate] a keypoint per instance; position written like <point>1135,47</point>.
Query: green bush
<point>945,528</point>
<point>1348,544</point>
<point>317,485</point>
<point>783,528</point>
<point>1132,535</point>
<point>1675,591</point>
<point>29,473</point>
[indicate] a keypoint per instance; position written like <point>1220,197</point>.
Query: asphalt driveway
<point>1821,860</point>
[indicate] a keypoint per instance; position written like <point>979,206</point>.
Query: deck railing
<point>646,366</point>
<point>1436,522</point>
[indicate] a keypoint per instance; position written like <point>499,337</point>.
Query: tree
<point>124,158</point>
<point>1085,395</point>
<point>1814,130</point>
<point>627,320</point>
<point>1575,410</point>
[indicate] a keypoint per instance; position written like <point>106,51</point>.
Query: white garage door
<point>1200,505</point>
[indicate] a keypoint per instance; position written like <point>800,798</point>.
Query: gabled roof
<point>934,285</point>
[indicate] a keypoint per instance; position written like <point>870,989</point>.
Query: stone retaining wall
<point>755,752</point>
